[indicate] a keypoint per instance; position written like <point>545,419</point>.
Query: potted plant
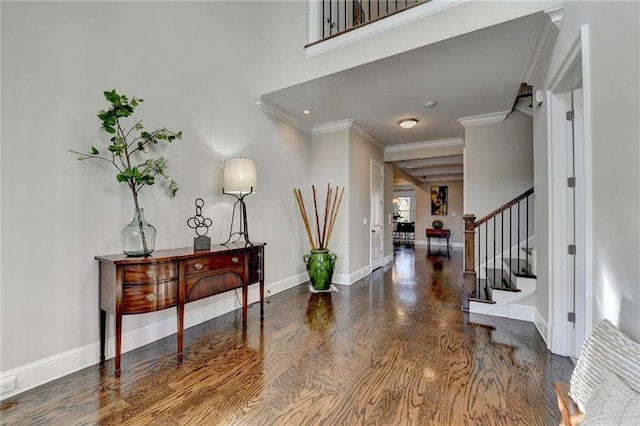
<point>127,144</point>
<point>320,262</point>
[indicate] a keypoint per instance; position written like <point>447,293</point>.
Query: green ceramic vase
<point>320,264</point>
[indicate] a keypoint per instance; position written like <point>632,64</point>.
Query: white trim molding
<point>438,143</point>
<point>275,111</point>
<point>482,119</point>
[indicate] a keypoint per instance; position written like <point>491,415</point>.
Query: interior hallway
<point>392,349</point>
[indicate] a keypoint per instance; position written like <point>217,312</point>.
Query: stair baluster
<point>480,278</point>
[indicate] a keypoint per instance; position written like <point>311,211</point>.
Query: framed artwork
<point>439,200</point>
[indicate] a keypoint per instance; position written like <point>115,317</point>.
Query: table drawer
<point>150,272</point>
<point>212,263</point>
<point>139,298</point>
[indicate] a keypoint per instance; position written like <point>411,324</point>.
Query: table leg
<point>261,299</point>
<point>180,330</point>
<point>245,304</point>
<point>103,334</point>
<point>118,337</point>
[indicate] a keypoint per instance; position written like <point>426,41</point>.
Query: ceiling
<point>467,76</point>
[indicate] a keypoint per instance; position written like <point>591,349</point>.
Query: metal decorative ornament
<point>201,225</point>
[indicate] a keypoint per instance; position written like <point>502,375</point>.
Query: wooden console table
<point>438,233</point>
<point>172,278</point>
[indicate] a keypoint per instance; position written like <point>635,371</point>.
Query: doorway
<point>377,214</point>
<point>570,202</point>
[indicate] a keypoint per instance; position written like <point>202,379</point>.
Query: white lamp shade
<point>240,175</point>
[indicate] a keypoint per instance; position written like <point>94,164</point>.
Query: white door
<point>377,214</point>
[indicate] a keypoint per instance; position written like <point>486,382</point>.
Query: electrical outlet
<point>8,383</point>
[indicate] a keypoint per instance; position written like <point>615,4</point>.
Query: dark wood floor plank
<point>392,349</point>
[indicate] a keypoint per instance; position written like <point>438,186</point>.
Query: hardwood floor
<point>392,349</point>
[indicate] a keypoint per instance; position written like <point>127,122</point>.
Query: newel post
<point>469,274</point>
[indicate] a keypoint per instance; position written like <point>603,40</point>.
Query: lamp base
<point>244,229</point>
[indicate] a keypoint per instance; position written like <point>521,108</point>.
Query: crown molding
<point>544,44</point>
<point>372,140</point>
<point>333,126</point>
<point>274,110</point>
<point>556,16</point>
<point>479,120</point>
<point>439,143</point>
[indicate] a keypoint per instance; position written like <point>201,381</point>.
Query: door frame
<point>575,68</point>
<point>376,165</point>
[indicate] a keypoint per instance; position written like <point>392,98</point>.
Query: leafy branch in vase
<point>127,144</point>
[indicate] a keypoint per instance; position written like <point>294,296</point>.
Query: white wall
<point>193,64</point>
<point>614,50</point>
<point>330,165</point>
<point>342,157</point>
<point>361,152</point>
<point>499,164</point>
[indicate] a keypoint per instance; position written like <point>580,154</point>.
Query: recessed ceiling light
<point>430,104</point>
<point>306,111</point>
<point>408,123</point>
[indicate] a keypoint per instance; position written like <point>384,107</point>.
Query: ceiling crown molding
<point>368,136</point>
<point>439,143</point>
<point>334,126</point>
<point>556,16</point>
<point>544,44</point>
<point>275,111</point>
<point>479,120</point>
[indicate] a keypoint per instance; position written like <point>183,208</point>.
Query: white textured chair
<point>605,384</point>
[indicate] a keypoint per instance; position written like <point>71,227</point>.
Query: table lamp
<point>239,180</point>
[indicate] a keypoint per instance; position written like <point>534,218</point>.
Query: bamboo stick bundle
<point>334,214</point>
<point>315,205</point>
<point>305,219</point>
<point>331,207</point>
<point>326,215</point>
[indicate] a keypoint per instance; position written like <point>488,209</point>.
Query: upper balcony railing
<point>339,16</point>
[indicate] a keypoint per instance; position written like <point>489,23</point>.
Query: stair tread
<point>519,267</point>
<point>500,279</point>
<point>485,293</point>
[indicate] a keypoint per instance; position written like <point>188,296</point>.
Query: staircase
<point>502,288</point>
<point>500,247</point>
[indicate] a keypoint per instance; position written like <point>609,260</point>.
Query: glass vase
<point>139,236</point>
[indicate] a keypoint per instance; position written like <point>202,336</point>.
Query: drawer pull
<point>198,266</point>
<point>152,297</point>
<point>151,273</point>
<point>260,255</point>
<point>234,259</point>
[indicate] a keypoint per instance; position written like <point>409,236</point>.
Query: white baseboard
<point>522,312</point>
<point>48,369</point>
<point>541,325</point>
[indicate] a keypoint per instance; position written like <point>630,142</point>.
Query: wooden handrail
<point>504,207</point>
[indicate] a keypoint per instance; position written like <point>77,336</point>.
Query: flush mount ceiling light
<point>408,123</point>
